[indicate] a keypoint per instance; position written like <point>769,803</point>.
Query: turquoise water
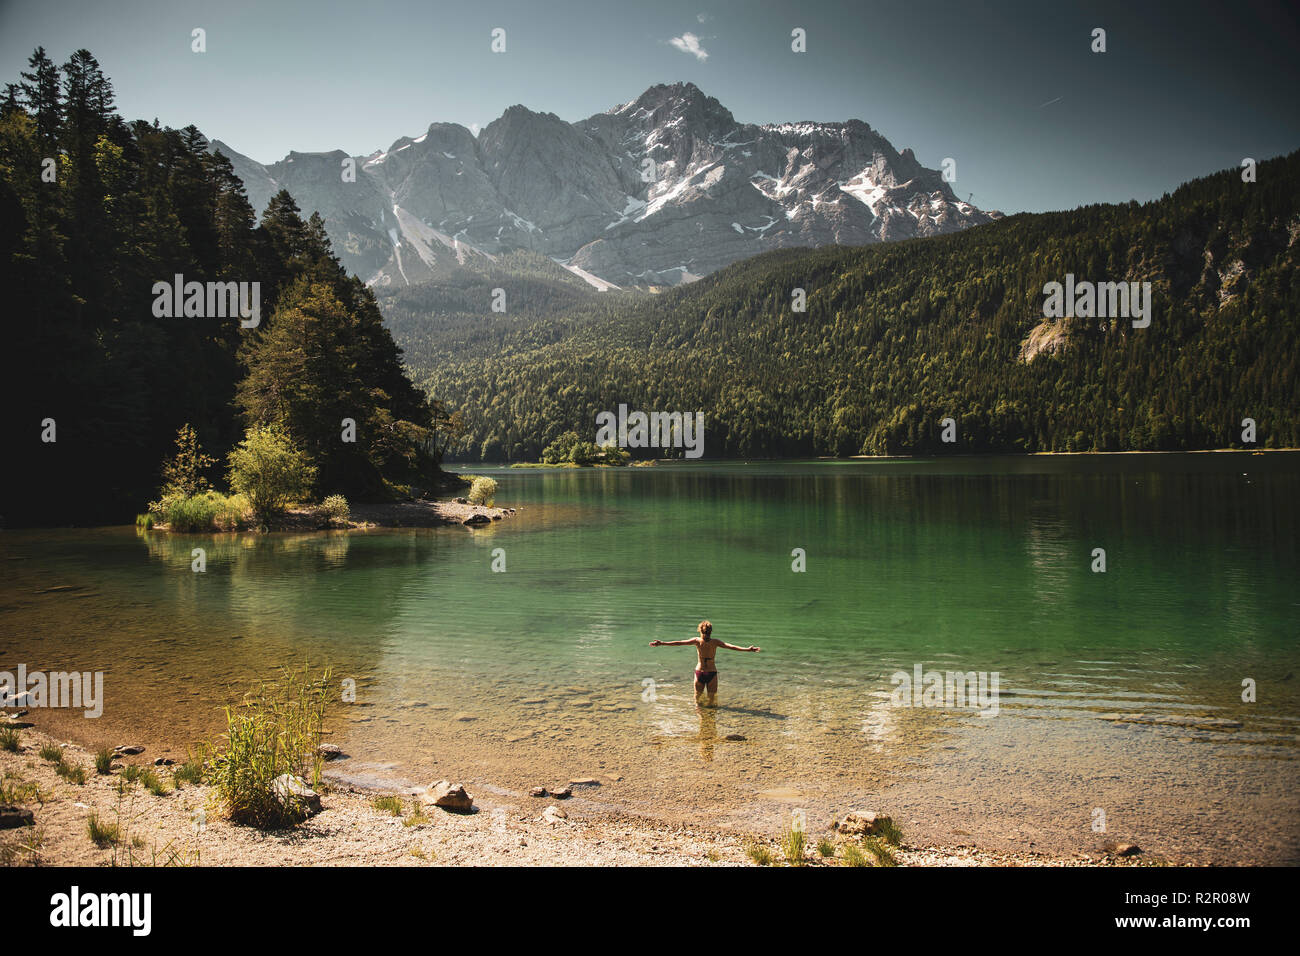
<point>542,672</point>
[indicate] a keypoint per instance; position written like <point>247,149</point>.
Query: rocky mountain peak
<point>660,190</point>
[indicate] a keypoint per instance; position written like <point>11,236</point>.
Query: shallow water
<point>542,673</point>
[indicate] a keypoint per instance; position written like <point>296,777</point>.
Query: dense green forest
<point>899,336</point>
<point>93,212</point>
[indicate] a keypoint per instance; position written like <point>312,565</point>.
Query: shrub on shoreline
<point>270,470</point>
<point>483,491</point>
<point>183,474</point>
<point>336,508</point>
<point>206,511</point>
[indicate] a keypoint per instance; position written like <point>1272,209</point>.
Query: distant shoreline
<point>1073,454</point>
<point>642,463</point>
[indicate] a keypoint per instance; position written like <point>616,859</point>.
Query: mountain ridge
<point>657,191</point>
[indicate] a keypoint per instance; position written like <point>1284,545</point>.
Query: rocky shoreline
<point>419,513</point>
<point>425,514</point>
<point>437,825</point>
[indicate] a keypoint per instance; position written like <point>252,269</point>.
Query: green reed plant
<point>792,845</point>
<point>275,730</point>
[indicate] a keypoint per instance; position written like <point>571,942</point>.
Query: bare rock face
<point>1049,337</point>
<point>659,191</point>
<point>449,796</point>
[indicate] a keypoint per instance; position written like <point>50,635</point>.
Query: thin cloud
<point>690,43</point>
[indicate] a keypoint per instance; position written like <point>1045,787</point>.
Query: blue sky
<point>1010,90</point>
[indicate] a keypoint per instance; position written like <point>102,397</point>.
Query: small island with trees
<point>309,409</point>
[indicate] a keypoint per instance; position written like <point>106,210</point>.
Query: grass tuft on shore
<point>417,817</point>
<point>15,790</point>
<point>760,854</point>
<point>9,739</point>
<point>853,856</point>
<point>889,832</point>
<point>153,783</point>
<point>103,761</point>
<point>191,771</point>
<point>52,753</point>
<point>880,850</point>
<point>792,845</point>
<point>73,773</point>
<point>102,834</point>
<point>277,729</point>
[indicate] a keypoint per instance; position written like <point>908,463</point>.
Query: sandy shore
<point>505,829</point>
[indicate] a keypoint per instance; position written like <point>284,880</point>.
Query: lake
<point>1120,713</point>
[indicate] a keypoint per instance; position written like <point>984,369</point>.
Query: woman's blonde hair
<point>705,628</point>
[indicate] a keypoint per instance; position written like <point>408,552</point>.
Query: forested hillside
<point>93,212</point>
<point>898,336</point>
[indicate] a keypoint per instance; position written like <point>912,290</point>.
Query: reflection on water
<point>535,675</point>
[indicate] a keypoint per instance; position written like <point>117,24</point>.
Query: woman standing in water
<point>706,672</point>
